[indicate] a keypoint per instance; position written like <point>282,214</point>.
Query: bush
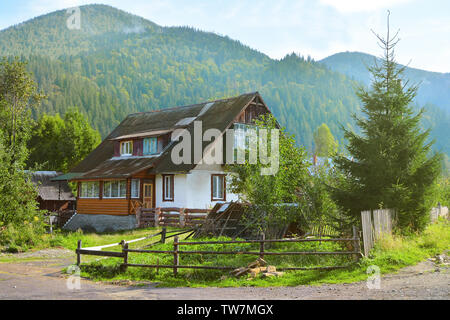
<point>21,237</point>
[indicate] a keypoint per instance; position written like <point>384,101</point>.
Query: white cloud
<point>351,6</point>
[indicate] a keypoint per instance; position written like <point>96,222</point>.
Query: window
<point>239,135</point>
<point>115,189</point>
<point>218,187</point>
<point>242,135</point>
<point>90,189</point>
<point>126,148</point>
<point>167,187</point>
<point>150,145</point>
<point>135,188</point>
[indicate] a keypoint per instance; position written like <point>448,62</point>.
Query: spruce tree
<point>390,164</point>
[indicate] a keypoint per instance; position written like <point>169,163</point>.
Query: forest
<point>118,63</point>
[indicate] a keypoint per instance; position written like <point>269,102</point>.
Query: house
<point>52,195</point>
<point>134,166</point>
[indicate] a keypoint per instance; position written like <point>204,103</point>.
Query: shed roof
<point>49,189</point>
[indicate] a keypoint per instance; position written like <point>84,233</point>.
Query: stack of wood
<point>258,267</point>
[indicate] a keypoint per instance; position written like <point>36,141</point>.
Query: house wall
<point>179,192</point>
<point>192,190</point>
<point>102,206</point>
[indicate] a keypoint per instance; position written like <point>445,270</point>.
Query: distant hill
<point>434,86</point>
<point>119,63</point>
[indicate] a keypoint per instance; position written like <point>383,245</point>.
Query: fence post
<point>157,214</point>
<point>182,218</point>
<point>356,243</point>
<point>367,230</point>
<point>261,246</point>
<point>175,256</point>
<point>163,235</point>
<point>78,253</point>
<point>125,256</point>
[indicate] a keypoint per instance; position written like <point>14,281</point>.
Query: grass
<point>390,254</point>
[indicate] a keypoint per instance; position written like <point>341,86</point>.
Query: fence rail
<point>176,252</point>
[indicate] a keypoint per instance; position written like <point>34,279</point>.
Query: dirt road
<point>42,279</point>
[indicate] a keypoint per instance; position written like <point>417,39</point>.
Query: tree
<point>18,205</point>
<point>269,193</point>
<point>59,144</point>
<point>325,144</point>
<point>79,138</point>
<point>46,143</point>
<point>390,164</point>
<point>18,95</point>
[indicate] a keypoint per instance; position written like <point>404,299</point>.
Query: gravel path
<point>42,279</point>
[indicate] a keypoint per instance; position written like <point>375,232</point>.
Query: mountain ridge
<point>434,87</point>
<point>109,74</point>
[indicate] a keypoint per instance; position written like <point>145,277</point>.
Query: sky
<point>317,28</point>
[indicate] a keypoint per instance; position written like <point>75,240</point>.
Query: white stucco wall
<point>192,190</point>
<point>179,191</point>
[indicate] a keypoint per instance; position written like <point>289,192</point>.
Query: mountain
<point>434,87</point>
<point>119,63</point>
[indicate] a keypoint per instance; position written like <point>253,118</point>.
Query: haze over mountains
<point>434,86</point>
<point>118,63</point>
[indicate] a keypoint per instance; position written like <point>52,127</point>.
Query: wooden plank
<point>367,231</point>
<point>78,254</point>
<point>176,257</point>
<point>179,266</point>
<point>257,253</point>
<point>228,267</point>
<point>123,267</point>
<point>206,211</point>
<point>100,253</point>
<point>269,240</point>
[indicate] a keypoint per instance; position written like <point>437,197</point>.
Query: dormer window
<point>150,146</point>
<point>126,148</point>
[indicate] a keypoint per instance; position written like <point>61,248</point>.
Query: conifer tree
<point>390,164</point>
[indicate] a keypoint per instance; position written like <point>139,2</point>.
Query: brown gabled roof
<point>213,114</point>
<point>220,115</point>
<point>51,190</point>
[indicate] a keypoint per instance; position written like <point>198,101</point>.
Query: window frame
<point>119,189</point>
<point>138,188</point>
<point>172,181</point>
<point>224,187</point>
<point>127,142</point>
<point>94,183</point>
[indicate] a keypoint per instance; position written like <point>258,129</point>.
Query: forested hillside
<point>119,63</point>
<point>434,86</point>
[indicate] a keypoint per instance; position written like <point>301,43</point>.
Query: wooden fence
<point>374,225</point>
<point>176,252</point>
<point>97,251</point>
<point>179,217</point>
<point>437,212</point>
